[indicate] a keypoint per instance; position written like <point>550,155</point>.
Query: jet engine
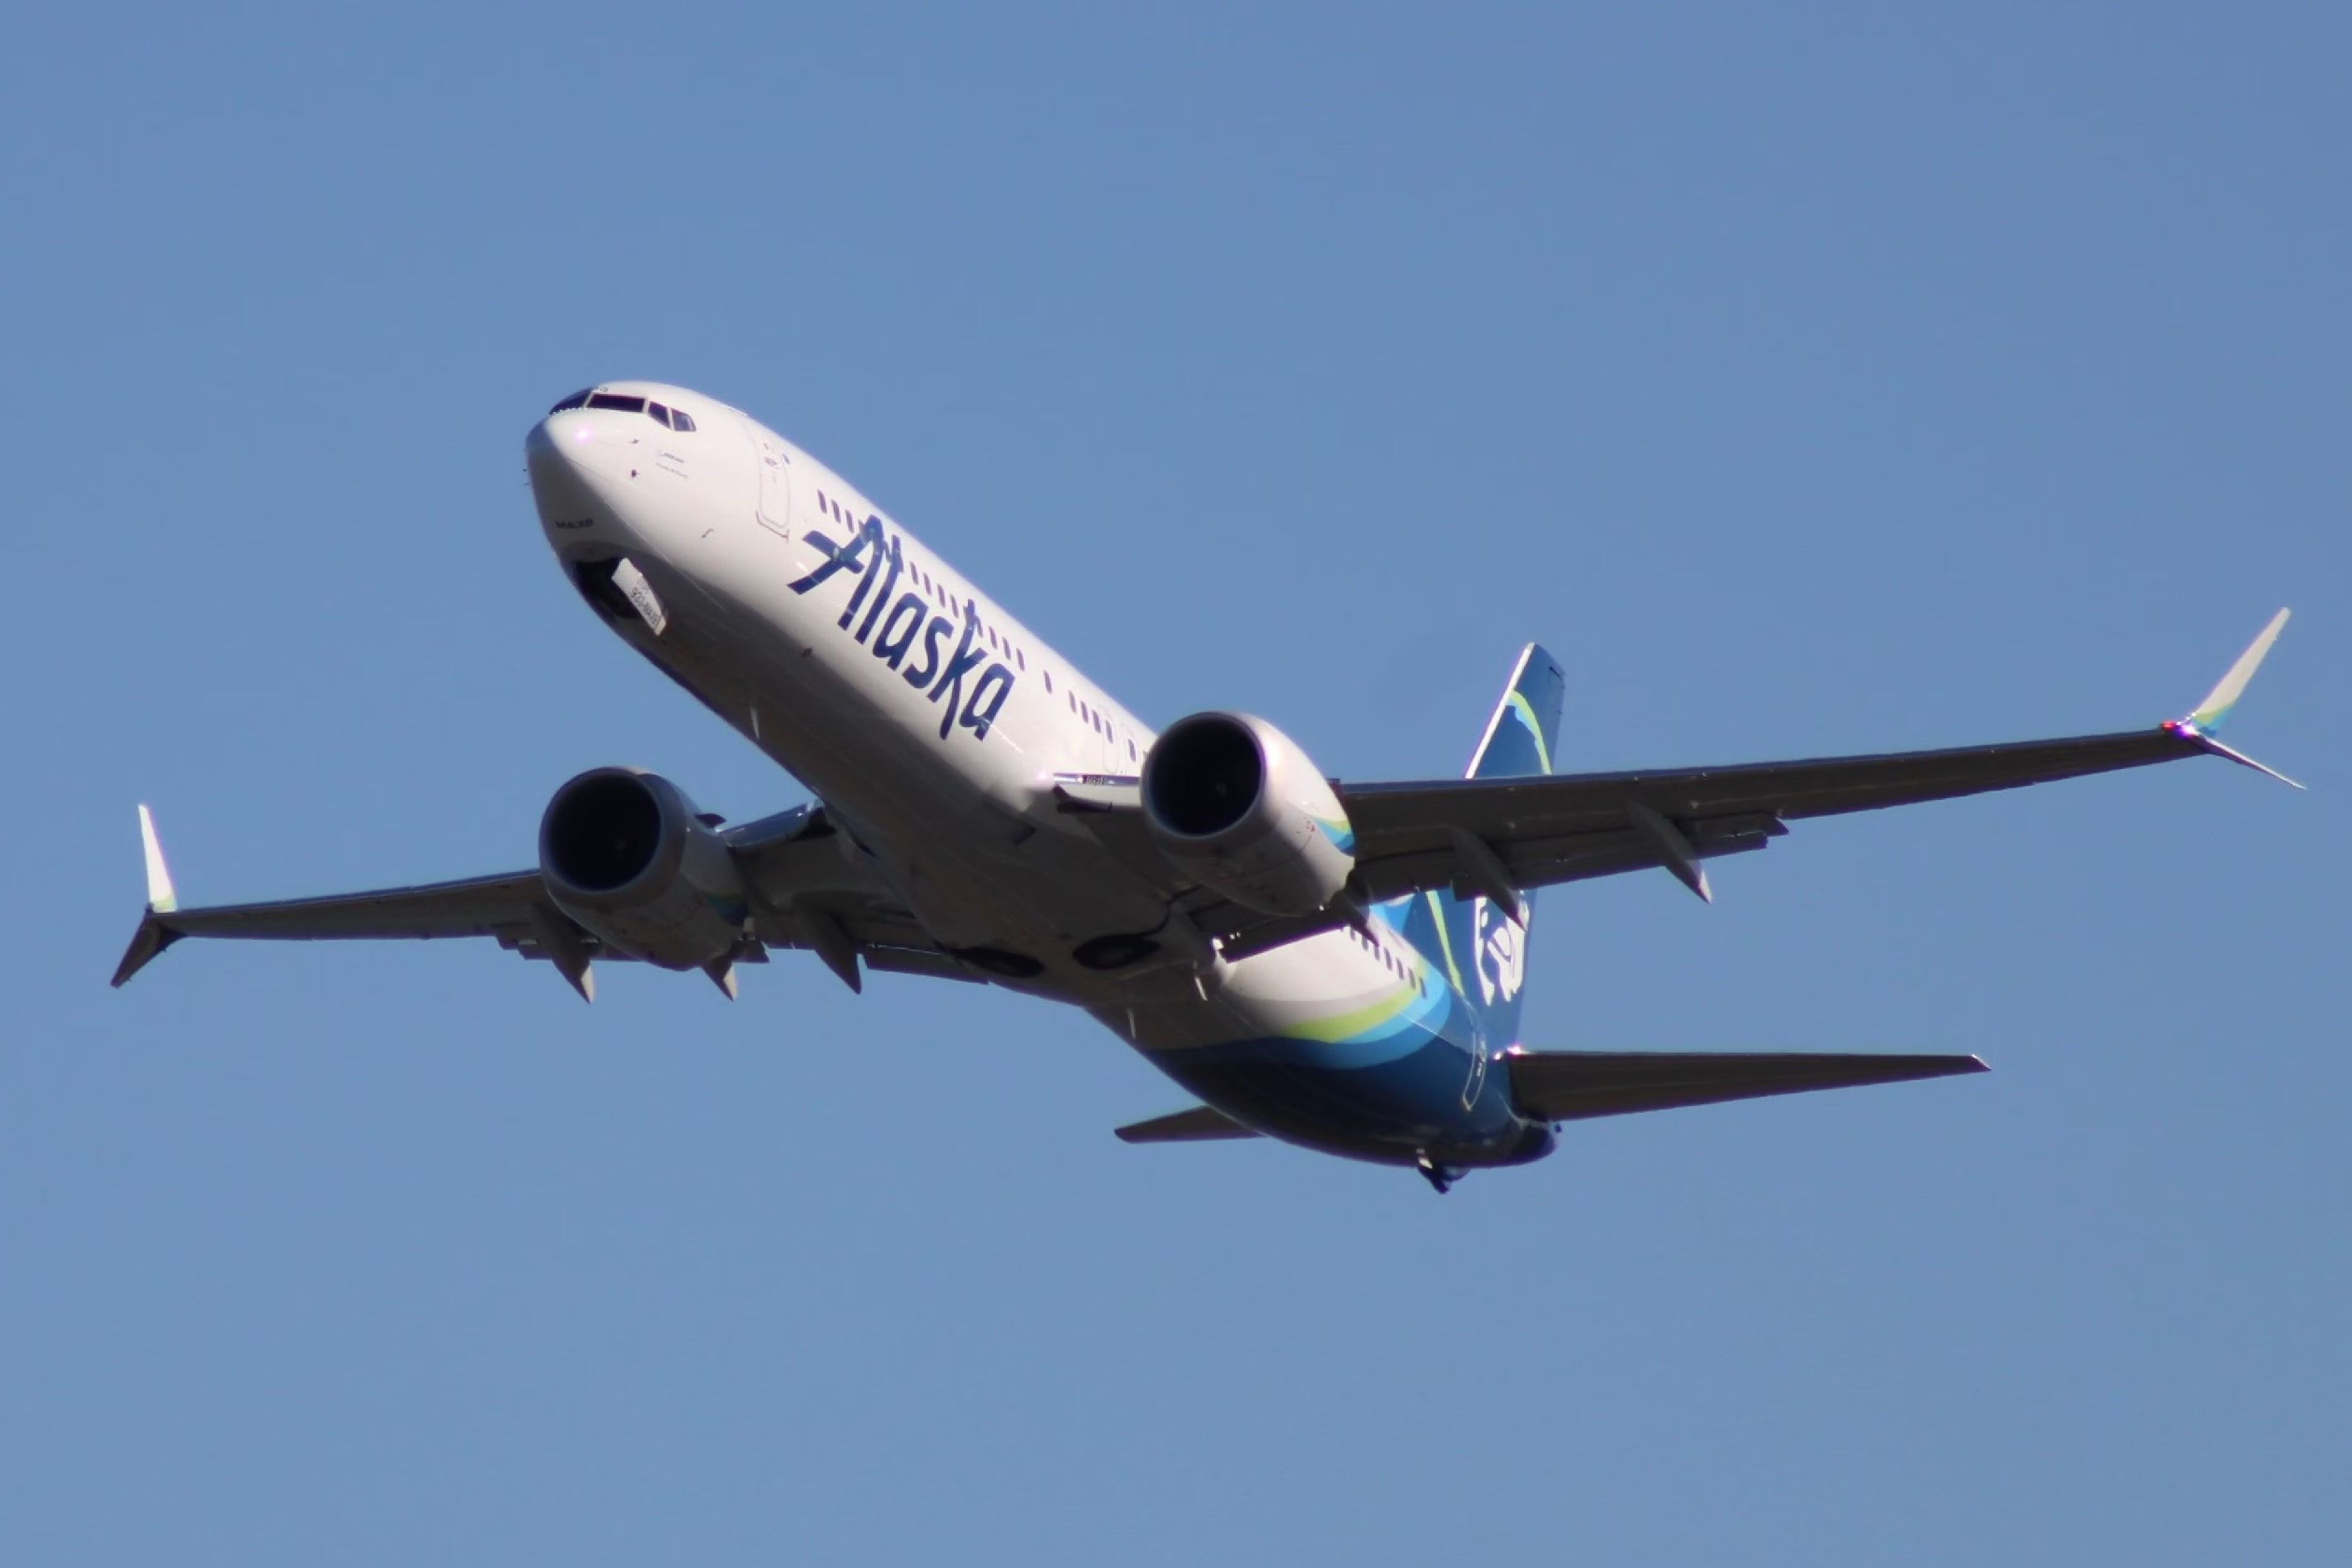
<point>623,853</point>
<point>1235,803</point>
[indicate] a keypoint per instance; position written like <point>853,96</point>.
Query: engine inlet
<point>602,831</point>
<point>1203,775</point>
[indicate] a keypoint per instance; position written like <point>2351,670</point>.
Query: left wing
<point>1496,837</point>
<point>499,906</point>
<point>807,895</point>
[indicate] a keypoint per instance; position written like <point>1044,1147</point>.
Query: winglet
<point>148,941</point>
<point>2218,702</point>
<point>2200,725</point>
<point>152,936</point>
<point>160,896</point>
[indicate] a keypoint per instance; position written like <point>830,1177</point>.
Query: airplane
<point>1340,966</point>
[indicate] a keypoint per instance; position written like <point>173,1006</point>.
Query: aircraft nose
<point>563,442</point>
<point>542,449</point>
<point>562,455</point>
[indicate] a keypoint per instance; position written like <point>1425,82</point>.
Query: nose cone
<point>574,442</point>
<point>568,466</point>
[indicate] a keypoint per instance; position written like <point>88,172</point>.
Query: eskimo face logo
<point>911,624</point>
<point>1502,954</point>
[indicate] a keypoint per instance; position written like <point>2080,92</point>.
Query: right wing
<point>1532,832</point>
<point>1496,837</point>
<point>807,895</point>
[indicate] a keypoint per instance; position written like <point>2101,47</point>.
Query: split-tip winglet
<point>2198,726</point>
<point>152,937</point>
<point>160,898</point>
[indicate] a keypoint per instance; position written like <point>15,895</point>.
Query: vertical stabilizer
<point>1474,937</point>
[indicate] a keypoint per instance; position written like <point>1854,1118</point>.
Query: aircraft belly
<point>1317,1044</point>
<point>961,827</point>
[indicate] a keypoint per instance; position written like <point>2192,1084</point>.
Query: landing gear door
<point>775,484</point>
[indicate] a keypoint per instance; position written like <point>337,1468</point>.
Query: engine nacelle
<point>623,853</point>
<point>1237,804</point>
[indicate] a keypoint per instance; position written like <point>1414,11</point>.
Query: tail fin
<point>1482,950</point>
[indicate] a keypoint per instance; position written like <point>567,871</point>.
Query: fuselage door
<point>1477,1082</point>
<point>775,484</point>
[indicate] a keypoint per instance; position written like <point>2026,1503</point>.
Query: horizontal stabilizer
<point>1199,1125</point>
<point>1569,1086</point>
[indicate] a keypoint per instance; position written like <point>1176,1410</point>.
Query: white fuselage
<point>943,769</point>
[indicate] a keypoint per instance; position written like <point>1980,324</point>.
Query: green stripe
<point>1517,700</point>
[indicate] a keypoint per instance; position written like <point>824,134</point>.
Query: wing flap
<point>1574,1085</point>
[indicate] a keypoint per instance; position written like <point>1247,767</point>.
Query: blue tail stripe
<point>1474,944</point>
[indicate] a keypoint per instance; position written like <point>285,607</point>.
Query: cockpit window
<point>661,413</point>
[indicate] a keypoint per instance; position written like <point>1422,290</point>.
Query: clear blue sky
<point>1841,378</point>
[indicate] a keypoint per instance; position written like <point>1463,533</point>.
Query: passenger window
<point>617,403</point>
<point>576,399</point>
